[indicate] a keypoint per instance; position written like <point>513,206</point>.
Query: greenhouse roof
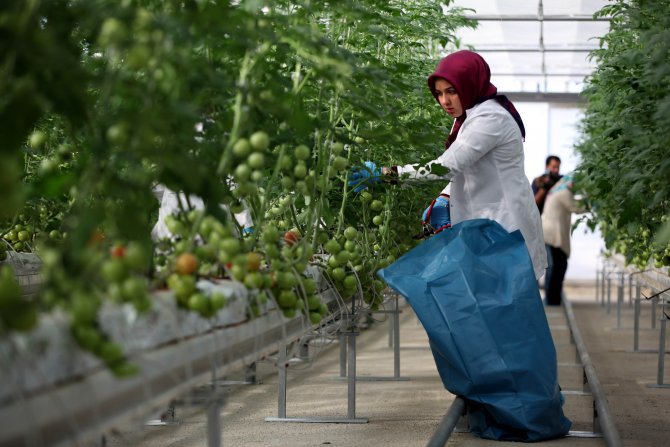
<point>537,49</point>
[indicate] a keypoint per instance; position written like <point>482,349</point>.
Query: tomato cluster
<point>237,106</point>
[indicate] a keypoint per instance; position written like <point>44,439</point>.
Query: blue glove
<point>360,177</point>
<point>437,214</point>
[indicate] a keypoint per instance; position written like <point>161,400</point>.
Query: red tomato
<point>291,237</point>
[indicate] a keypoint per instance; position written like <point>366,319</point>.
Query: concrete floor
<point>407,412</point>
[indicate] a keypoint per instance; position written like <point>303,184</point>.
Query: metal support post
<point>351,382</point>
<point>603,275</point>
<point>609,294</point>
<point>597,285</point>
<point>661,356</point>
<point>396,339</point>
<point>636,322</point>
<point>619,300</point>
<point>630,290</point>
<point>214,422</point>
<point>395,332</point>
<point>596,420</point>
<point>654,304</point>
<point>282,366</point>
<point>343,355</point>
<point>350,352</point>
<point>391,326</point>
<point>661,352</point>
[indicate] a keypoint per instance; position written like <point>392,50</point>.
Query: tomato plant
<point>236,107</point>
<point>624,163</point>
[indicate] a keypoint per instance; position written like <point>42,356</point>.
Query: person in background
<point>543,183</point>
<point>556,225</point>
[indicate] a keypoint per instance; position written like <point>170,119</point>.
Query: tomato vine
<point>252,105</point>
<point>624,168</point>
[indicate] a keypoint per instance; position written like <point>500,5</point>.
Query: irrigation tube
<point>448,423</point>
<point>605,420</point>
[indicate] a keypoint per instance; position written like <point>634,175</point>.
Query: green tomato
<point>313,302</point>
<point>114,270</point>
<point>112,31</point>
<point>87,337</point>
<point>270,234</point>
<point>378,220</point>
<point>337,148</point>
<point>242,148</point>
<point>351,233</point>
<point>286,163</point>
<point>309,285</point>
<point>37,139</point>
<point>136,256</point>
<point>256,160</point>
<point>333,262</point>
<point>287,299</point>
<point>217,300</point>
<point>315,317</point>
<point>260,140</point>
<point>376,205</point>
<point>302,152</point>
<point>343,257</point>
<point>287,183</point>
<point>332,247</point>
<point>182,285</point>
<point>350,282</point>
<point>134,288</point>
<point>289,312</point>
<point>285,280</point>
<point>230,245</point>
<point>242,172</point>
<point>338,274</point>
<point>110,352</point>
<point>300,170</point>
<point>254,280</point>
<point>340,163</point>
<point>198,302</point>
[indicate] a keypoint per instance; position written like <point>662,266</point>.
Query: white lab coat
<point>486,169</point>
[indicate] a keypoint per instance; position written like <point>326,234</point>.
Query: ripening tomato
<point>118,251</point>
<point>254,260</point>
<point>186,264</point>
<point>291,237</point>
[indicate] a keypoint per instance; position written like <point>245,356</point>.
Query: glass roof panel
<point>533,52</point>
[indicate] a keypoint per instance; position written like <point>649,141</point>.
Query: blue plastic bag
<point>474,290</point>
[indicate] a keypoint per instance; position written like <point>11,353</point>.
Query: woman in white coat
<point>484,153</point>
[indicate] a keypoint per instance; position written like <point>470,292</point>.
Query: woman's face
<point>448,98</point>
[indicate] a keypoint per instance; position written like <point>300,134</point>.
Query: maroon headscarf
<point>470,75</point>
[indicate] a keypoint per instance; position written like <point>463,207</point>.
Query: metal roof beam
<point>534,18</point>
<point>559,75</point>
<point>563,98</point>
<point>535,50</point>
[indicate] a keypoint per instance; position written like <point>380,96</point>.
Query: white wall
<point>551,129</point>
